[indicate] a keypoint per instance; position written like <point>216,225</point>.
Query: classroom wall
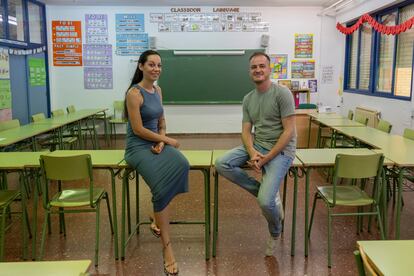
<point>398,112</point>
<point>66,83</point>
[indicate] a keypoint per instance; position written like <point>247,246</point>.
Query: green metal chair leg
<point>109,212</point>
<point>284,199</point>
<point>329,237</point>
<point>97,234</point>
<point>313,211</point>
<point>42,242</point>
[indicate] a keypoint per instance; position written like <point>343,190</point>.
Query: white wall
<point>66,83</point>
<point>398,112</point>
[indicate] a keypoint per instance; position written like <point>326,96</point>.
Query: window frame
<point>25,44</point>
<point>375,46</point>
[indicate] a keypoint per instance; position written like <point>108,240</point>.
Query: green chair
<point>384,126</point>
<point>57,170</point>
<point>69,135</point>
<point>7,197</point>
<point>87,127</point>
<point>409,133</point>
<point>9,124</point>
<point>353,167</point>
<point>118,117</point>
<point>20,146</point>
<point>350,114</point>
<point>361,119</point>
<point>341,141</point>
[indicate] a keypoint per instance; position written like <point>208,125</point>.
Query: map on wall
<point>279,64</point>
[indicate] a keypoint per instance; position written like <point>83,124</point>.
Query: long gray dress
<point>166,173</point>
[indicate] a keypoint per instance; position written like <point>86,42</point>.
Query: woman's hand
<point>172,142</point>
<point>157,148</point>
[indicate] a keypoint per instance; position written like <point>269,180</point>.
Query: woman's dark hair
<point>138,75</point>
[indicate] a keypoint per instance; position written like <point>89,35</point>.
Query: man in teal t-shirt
<point>269,108</point>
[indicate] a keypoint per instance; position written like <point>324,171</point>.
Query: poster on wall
<point>5,94</point>
<point>4,64</point>
<point>327,74</point>
<point>96,28</point>
<point>37,72</point>
<point>129,23</point>
<point>97,55</point>
<point>98,78</point>
<point>279,64</point>
<point>67,43</point>
<point>303,69</point>
<point>131,44</point>
<point>5,114</point>
<point>303,45</point>
<point>313,86</point>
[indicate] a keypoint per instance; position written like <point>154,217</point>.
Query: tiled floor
<point>242,232</point>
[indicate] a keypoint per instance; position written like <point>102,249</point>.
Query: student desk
<point>17,162</point>
<point>14,135</point>
<point>294,169</point>
<point>368,135</point>
<point>313,117</point>
<point>61,268</point>
<point>324,157</point>
<point>70,118</point>
<point>111,160</point>
<point>199,160</point>
<point>390,257</point>
<point>401,151</point>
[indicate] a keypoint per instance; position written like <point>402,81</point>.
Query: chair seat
<point>76,197</point>
<point>7,196</point>
<point>345,195</point>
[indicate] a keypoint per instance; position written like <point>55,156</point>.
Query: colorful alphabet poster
<point>279,64</point>
<point>303,69</point>
<point>303,45</point>
<point>37,72</point>
<point>96,26</point>
<point>67,43</point>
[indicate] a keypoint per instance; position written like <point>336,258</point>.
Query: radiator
<point>372,115</point>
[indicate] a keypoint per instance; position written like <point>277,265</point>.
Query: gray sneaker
<point>279,206</point>
<point>270,246</point>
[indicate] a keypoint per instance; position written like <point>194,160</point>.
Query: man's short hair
<point>255,54</point>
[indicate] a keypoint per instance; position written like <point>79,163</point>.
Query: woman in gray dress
<point>151,152</point>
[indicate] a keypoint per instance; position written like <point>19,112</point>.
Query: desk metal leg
<point>295,202</point>
<point>114,216</point>
<point>399,198</point>
<point>215,226</point>
<point>207,211</point>
<point>309,130</point>
<point>307,175</point>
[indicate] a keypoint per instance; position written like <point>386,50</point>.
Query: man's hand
<point>255,161</point>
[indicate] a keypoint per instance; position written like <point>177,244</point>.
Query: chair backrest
<point>71,109</point>
<point>409,133</point>
<point>384,126</point>
<point>307,106</point>
<point>38,117</point>
<point>361,119</point>
<point>350,114</point>
<point>357,167</point>
<point>9,124</point>
<point>67,168</point>
<point>118,109</point>
<point>58,112</point>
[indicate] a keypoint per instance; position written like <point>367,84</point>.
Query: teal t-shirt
<point>265,111</point>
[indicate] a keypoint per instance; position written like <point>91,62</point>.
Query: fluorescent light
<point>206,53</point>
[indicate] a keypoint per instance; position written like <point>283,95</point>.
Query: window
<point>379,64</point>
<point>35,23</point>
<point>1,20</point>
<point>15,16</point>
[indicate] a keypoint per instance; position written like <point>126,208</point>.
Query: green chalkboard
<point>205,79</point>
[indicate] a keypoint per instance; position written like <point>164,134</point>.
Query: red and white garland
<point>388,30</point>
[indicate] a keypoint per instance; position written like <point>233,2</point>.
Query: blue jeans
<point>273,173</point>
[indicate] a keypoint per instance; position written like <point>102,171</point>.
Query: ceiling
<point>192,3</point>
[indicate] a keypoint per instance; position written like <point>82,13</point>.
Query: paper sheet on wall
<point>37,72</point>
<point>279,64</point>
<point>67,43</point>
<point>303,45</point>
<point>303,69</point>
<point>5,94</point>
<point>96,28</point>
